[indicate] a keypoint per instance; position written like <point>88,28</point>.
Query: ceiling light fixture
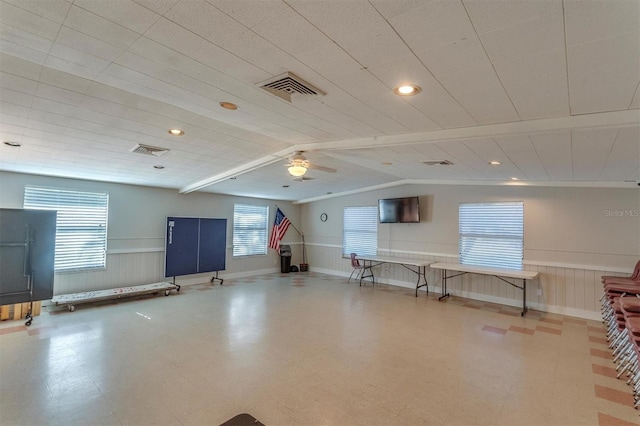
<point>158,166</point>
<point>297,171</point>
<point>13,144</point>
<point>495,163</point>
<point>229,105</point>
<point>407,90</point>
<point>176,132</point>
<point>514,178</point>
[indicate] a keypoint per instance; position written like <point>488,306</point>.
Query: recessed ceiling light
<point>158,166</point>
<point>229,105</point>
<point>13,144</point>
<point>495,163</point>
<point>176,132</point>
<point>514,178</point>
<point>407,90</point>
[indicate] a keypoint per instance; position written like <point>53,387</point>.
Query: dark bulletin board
<point>27,254</point>
<point>194,245</point>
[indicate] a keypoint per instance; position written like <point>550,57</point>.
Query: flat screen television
<point>399,210</point>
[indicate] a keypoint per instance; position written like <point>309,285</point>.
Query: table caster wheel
<point>72,308</point>
<point>28,323</point>
<point>167,292</point>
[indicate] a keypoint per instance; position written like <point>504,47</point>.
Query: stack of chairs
<point>621,314</point>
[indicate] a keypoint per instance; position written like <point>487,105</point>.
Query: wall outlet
<point>539,292</point>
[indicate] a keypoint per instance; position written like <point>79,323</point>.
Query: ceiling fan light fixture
<point>407,90</point>
<point>297,171</point>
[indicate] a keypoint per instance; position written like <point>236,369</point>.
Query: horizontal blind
<point>250,229</point>
<point>360,231</point>
<point>491,234</point>
<point>81,225</point>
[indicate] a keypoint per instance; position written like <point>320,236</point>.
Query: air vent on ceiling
<point>289,86</point>
<point>438,163</point>
<point>149,150</point>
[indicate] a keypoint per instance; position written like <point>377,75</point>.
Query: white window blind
<point>250,229</point>
<point>360,231</point>
<point>491,234</point>
<point>81,225</point>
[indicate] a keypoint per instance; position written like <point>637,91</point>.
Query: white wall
<point>572,236</point>
<point>137,219</point>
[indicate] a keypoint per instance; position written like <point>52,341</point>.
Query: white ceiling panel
<point>93,25</point>
<point>55,11</point>
<point>491,15</point>
<point>29,22</point>
<point>554,150</point>
<point>437,23</point>
<point>123,12</point>
<point>560,76</point>
<point>537,85</point>
<point>588,20</point>
<point>624,159</point>
<point>590,149</point>
<point>391,8</point>
<point>481,93</point>
<point>15,39</point>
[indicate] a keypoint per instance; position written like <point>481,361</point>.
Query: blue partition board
<point>194,245</point>
<point>213,244</point>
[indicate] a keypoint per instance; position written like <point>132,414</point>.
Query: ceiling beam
<point>616,119</point>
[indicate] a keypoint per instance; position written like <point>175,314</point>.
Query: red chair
<point>355,264</point>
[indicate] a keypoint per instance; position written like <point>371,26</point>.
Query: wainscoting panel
<point>568,290</point>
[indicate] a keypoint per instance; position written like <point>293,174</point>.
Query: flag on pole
<point>280,227</point>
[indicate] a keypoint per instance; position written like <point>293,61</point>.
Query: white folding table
<point>500,273</point>
<point>420,268</point>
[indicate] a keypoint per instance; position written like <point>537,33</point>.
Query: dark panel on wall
<point>213,245</point>
<point>194,245</point>
<point>27,254</point>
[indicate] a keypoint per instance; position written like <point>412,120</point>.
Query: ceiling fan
<point>298,165</point>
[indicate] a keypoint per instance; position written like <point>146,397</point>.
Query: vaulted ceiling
<point>548,88</point>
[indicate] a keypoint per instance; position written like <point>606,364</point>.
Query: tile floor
<point>307,349</point>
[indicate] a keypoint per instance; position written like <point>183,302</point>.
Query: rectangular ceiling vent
<point>438,163</point>
<point>149,150</point>
<point>289,87</point>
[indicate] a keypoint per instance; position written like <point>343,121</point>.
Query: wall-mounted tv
<point>399,210</point>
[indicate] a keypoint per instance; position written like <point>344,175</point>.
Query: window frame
<point>497,230</point>
<point>79,213</point>
<point>370,246</point>
<point>240,249</point>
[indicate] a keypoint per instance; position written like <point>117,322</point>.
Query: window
<point>81,225</point>
<point>250,229</point>
<point>491,234</point>
<point>360,231</point>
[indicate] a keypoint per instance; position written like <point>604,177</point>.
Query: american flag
<point>280,227</point>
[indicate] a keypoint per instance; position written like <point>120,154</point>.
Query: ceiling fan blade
<point>321,168</point>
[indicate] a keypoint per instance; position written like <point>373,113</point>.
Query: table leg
<point>524,298</point>
<point>444,284</point>
<point>422,272</point>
